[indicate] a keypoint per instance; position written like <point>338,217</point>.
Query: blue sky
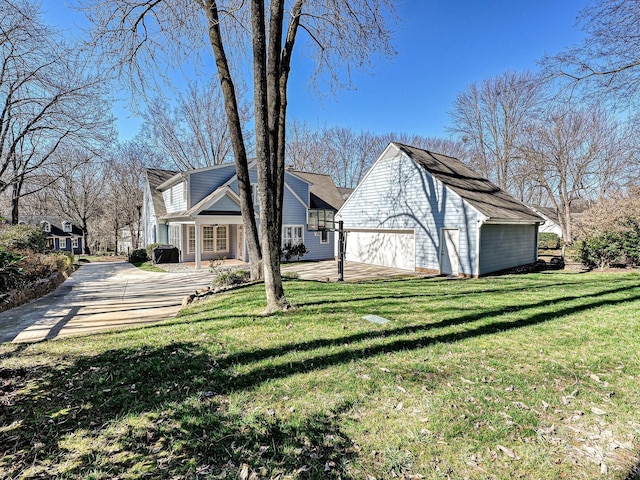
<point>443,46</point>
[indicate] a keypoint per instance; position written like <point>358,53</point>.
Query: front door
<point>449,246</point>
<point>240,244</point>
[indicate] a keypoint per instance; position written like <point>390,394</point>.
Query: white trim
<point>293,236</point>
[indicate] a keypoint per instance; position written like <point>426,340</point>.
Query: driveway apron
<point>99,296</point>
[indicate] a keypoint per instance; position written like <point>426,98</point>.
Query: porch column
<point>198,245</point>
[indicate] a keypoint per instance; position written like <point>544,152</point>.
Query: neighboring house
<point>61,233</point>
<point>551,222</point>
<point>198,211</point>
<point>427,212</point>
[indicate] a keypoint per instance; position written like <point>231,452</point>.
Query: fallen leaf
<point>403,390</point>
<point>604,469</point>
<point>508,452</point>
<point>244,471</point>
<point>465,380</point>
<point>386,370</point>
<point>598,411</point>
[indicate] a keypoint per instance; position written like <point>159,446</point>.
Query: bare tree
<point>47,99</point>
<point>194,133</point>
<point>607,61</point>
<point>79,189</point>
<point>340,34</point>
<point>574,154</point>
<point>490,118</point>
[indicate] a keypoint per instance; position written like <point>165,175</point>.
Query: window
<point>191,239</point>
<point>208,237</point>
<point>50,244</point>
<point>66,227</point>
<point>291,235</point>
<point>46,226</point>
<point>75,243</point>
<point>324,236</point>
<point>222,238</point>
<point>174,235</point>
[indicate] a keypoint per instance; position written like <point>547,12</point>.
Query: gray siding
<point>293,212</point>
<point>317,250</point>
<point>506,246</point>
<point>298,185</point>
<point>226,204</point>
<point>204,182</point>
<point>398,194</point>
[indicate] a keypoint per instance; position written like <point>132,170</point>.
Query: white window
<point>174,235</point>
<point>222,238</point>
<point>208,238</point>
<point>292,235</point>
<point>191,239</point>
<point>75,243</point>
<point>66,227</point>
<point>324,236</point>
<point>46,226</point>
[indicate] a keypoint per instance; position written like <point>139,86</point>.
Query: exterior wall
<point>202,183</point>
<point>317,250</point>
<point>550,227</point>
<point>398,194</point>
<point>177,193</point>
<point>298,185</point>
<point>506,246</point>
<point>149,227</point>
<point>226,204</point>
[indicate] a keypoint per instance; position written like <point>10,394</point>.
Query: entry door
<point>449,251</point>
<point>240,243</point>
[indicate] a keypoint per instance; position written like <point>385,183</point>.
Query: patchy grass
<point>532,376</point>
<point>148,267</point>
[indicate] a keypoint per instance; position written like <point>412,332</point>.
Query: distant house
<point>61,233</point>
<point>551,222</point>
<point>422,211</point>
<point>198,211</point>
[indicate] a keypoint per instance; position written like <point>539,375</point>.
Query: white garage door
<point>386,248</point>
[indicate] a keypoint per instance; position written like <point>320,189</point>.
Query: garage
<point>387,248</point>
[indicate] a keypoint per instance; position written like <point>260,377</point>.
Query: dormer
<point>66,226</point>
<point>46,226</point>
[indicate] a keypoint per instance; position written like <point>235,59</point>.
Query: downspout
<point>481,222</point>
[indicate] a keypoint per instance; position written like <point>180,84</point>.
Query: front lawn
<point>533,376</point>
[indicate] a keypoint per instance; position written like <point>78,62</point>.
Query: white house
<point>198,211</point>
<point>551,223</point>
<point>427,212</point>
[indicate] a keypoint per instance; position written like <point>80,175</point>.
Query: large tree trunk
<point>15,202</point>
<point>237,140</point>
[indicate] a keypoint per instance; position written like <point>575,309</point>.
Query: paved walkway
<point>98,296</point>
<point>107,295</point>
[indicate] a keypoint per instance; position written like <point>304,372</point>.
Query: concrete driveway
<point>98,296</point>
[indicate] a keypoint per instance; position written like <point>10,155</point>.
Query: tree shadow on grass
<point>165,412</point>
<point>158,413</point>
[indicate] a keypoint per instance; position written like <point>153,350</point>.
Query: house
<point>61,233</point>
<point>198,211</point>
<point>551,222</point>
<point>426,212</point>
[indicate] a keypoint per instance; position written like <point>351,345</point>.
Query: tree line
<point>557,138</point>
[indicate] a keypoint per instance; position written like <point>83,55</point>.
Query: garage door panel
<point>385,249</point>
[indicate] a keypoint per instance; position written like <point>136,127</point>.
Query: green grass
<point>533,376</point>
<point>148,267</point>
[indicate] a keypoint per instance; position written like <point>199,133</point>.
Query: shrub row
<point>620,247</point>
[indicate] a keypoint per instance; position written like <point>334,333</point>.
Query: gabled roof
<point>55,222</point>
<point>484,196</point>
<point>549,213</point>
<point>323,192</point>
<point>157,177</point>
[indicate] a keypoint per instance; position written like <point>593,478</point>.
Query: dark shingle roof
<point>157,177</point>
<point>479,192</point>
<point>323,192</point>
